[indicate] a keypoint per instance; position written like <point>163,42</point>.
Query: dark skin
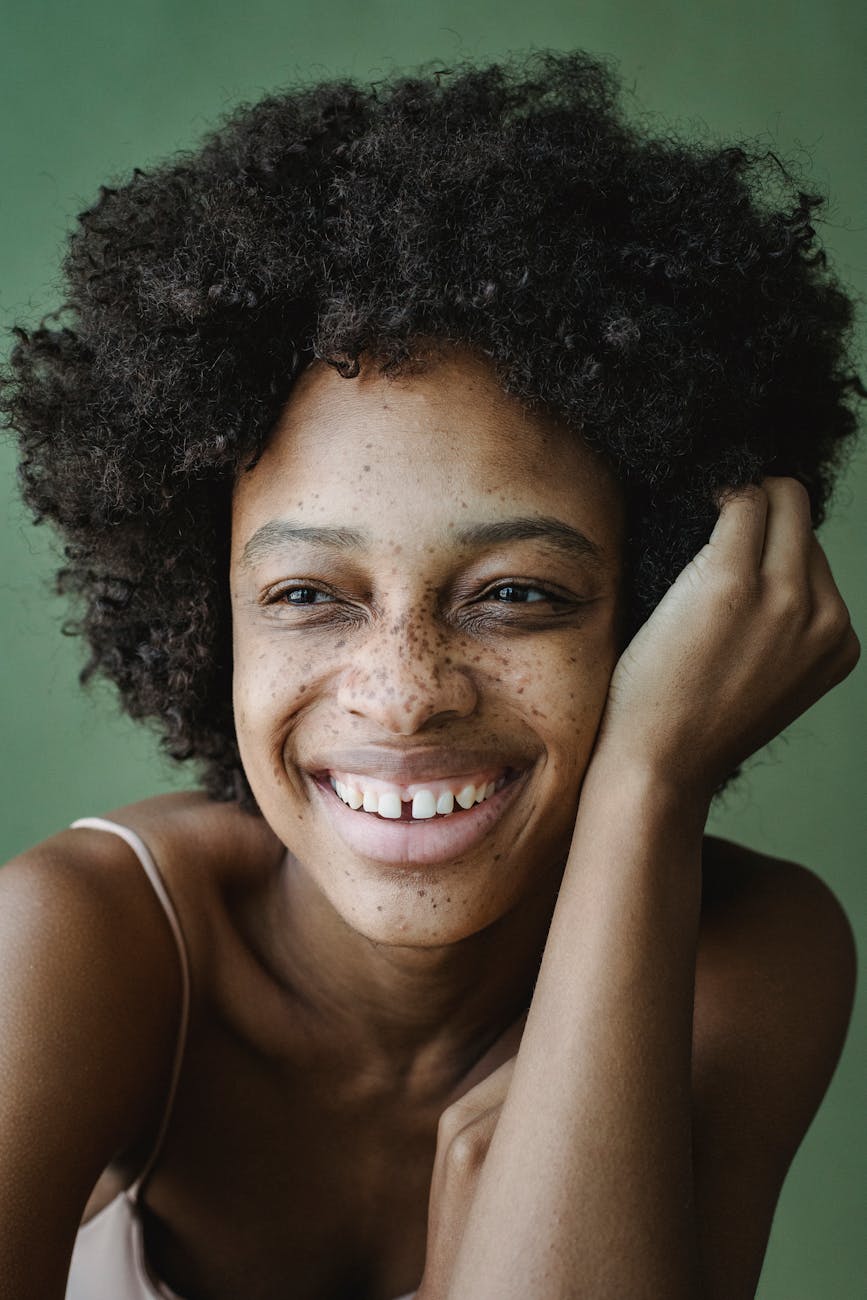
<point>341,1008</point>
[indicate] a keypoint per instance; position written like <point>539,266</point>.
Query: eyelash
<point>279,597</point>
<point>549,597</point>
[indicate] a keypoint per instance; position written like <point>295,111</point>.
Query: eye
<point>521,604</point>
<point>303,596</point>
<point>516,593</point>
<point>299,596</point>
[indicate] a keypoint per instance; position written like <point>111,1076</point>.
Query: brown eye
<point>300,596</point>
<point>513,593</point>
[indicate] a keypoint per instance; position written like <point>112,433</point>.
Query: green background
<point>88,90</point>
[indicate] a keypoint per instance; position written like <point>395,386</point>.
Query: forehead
<point>445,440</point>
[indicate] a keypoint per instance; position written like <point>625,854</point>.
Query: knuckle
<point>787,483</point>
<point>466,1153</point>
<point>789,599</point>
<point>851,649</point>
<point>451,1121</point>
<point>734,589</point>
<point>799,498</point>
<point>800,493</point>
<point>833,624</point>
<point>846,660</point>
<point>460,1118</point>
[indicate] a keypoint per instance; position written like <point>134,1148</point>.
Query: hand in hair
<point>751,634</point>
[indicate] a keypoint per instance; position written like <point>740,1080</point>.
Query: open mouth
<point>423,824</point>
<point>421,801</point>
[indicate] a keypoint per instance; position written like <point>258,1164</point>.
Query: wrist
<point>618,781</point>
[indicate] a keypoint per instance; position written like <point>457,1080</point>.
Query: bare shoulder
<point>775,979</point>
<point>776,963</point>
<point>83,937</point>
<point>92,875</point>
<point>191,828</point>
<point>89,990</point>
<point>206,852</point>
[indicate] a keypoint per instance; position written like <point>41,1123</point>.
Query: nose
<point>404,678</point>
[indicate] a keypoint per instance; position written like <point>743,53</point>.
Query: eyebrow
<point>277,534</point>
<point>531,528</point>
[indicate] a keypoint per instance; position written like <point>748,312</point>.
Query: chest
<point>269,1185</point>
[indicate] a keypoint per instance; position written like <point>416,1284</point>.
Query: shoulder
<point>775,973</point>
<point>201,835</point>
<point>775,979</point>
<point>84,943</point>
<point>89,992</point>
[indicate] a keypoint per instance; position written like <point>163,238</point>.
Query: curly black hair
<point>666,298</point>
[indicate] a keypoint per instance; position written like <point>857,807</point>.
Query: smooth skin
<point>365,1099</point>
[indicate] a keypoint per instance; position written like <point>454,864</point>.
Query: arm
<point>587,1187</point>
<point>589,1175</point>
<point>89,989</point>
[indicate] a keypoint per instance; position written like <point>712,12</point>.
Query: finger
<point>788,531</point>
<point>831,619</point>
<point>827,606</point>
<point>823,585</point>
<point>484,1096</point>
<point>739,533</point>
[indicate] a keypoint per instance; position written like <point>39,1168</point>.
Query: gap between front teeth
<point>425,804</point>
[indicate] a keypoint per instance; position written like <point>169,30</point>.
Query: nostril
<point>405,694</point>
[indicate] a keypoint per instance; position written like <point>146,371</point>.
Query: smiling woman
<point>456,571</point>
<point>438,464</point>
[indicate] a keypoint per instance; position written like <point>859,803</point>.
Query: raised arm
<point>588,1185</point>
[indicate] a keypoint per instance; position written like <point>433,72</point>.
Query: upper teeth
<point>425,802</point>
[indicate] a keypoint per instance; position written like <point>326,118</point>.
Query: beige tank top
<point>108,1260</point>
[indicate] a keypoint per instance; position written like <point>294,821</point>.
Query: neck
<point>413,1020</point>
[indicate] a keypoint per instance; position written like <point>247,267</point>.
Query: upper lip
<point>404,767</point>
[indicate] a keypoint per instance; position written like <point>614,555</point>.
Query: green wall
<point>88,90</point>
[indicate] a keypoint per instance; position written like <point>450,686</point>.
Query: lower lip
<point>416,843</point>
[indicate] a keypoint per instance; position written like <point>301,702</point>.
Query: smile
<point>417,802</point>
<point>407,838</point>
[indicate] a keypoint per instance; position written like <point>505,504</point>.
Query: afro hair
<point>665,298</point>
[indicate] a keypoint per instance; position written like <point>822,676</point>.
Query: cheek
<point>268,689</point>
<point>562,698</point>
<point>569,676</point>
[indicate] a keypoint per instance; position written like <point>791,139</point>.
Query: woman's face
<point>425,584</point>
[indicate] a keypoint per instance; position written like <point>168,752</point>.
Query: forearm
<point>587,1187</point>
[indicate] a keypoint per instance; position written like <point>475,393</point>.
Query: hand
<point>751,634</point>
<point>466,1128</point>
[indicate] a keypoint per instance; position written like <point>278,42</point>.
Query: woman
<point>438,464</point>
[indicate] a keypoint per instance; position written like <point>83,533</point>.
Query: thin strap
<point>153,874</point>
